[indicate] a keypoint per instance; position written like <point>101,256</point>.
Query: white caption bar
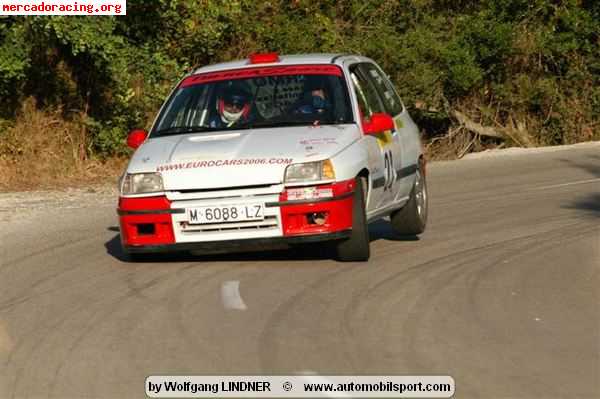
<point>304,386</point>
<point>63,7</point>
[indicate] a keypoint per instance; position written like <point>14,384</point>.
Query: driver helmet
<point>233,103</point>
<point>318,93</point>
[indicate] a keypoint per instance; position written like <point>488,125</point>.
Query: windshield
<point>257,97</point>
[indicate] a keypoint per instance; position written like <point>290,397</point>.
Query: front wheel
<point>412,218</point>
<point>356,248</point>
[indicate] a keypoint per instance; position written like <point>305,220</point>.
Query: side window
<point>368,100</point>
<point>392,102</point>
<point>363,108</point>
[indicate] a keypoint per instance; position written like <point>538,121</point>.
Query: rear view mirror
<point>378,123</point>
<point>136,137</point>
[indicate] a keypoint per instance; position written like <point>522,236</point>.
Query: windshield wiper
<point>292,123</point>
<point>185,129</point>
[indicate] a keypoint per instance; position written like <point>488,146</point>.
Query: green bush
<point>498,60</point>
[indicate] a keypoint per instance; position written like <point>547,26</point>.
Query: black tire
<point>412,218</point>
<point>357,247</point>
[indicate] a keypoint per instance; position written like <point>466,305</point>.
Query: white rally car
<point>305,148</point>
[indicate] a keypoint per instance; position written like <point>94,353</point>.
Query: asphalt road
<point>502,292</point>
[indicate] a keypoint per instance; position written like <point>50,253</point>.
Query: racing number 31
<point>388,164</point>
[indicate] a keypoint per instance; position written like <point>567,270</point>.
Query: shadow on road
<point>379,230</point>
<point>589,203</point>
<point>382,230</point>
<point>246,253</point>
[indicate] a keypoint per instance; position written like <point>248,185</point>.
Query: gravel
<point>15,205</point>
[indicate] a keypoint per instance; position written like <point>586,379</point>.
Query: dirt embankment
<point>42,150</point>
<point>15,205</point>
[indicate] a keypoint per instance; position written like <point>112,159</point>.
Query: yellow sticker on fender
<point>384,139</point>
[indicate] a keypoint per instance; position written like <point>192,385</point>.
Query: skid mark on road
<point>270,352</point>
<point>183,326</point>
<point>573,183</point>
<point>534,245</point>
<point>508,194</point>
<point>471,280</point>
<point>6,343</point>
<point>63,245</point>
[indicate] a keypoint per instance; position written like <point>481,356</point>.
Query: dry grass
<point>42,150</point>
<point>457,143</point>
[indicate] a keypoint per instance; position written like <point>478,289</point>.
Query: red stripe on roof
<point>258,72</point>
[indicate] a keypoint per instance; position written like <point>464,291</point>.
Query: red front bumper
<point>147,222</point>
<point>335,213</point>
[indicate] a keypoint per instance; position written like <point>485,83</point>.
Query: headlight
<point>140,183</point>
<point>310,171</point>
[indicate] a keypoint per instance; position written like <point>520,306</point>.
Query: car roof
<point>293,59</point>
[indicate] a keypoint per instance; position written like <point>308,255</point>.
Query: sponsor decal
<point>319,141</point>
<point>276,94</point>
<point>399,123</point>
<point>310,144</point>
<point>384,139</point>
<point>257,72</point>
<point>223,162</point>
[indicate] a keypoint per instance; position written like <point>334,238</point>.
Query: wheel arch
<point>364,172</point>
<point>422,163</point>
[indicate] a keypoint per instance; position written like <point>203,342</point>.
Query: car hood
<point>237,158</point>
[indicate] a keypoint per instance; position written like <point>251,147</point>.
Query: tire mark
<point>269,332</point>
<point>441,283</point>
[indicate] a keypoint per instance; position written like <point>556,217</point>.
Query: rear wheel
<point>356,248</point>
<point>412,219</point>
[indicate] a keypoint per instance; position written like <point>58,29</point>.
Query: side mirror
<point>136,137</point>
<point>380,122</point>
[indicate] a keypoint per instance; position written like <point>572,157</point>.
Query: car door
<point>383,148</point>
<point>406,130</point>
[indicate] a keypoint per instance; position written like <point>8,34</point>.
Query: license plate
<point>223,214</point>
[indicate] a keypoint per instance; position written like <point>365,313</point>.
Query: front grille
<point>226,193</point>
<point>269,222</point>
<point>270,226</point>
<point>223,189</point>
